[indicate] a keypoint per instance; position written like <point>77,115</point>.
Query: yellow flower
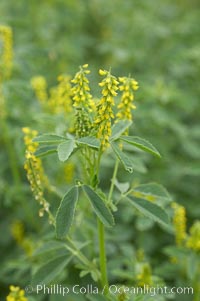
<point>102,72</point>
<point>34,170</point>
<point>60,96</point>
<point>17,230</point>
<point>16,294</point>
<point>127,86</point>
<point>39,85</point>
<point>104,108</point>
<point>28,246</point>
<point>179,221</point>
<point>31,146</point>
<point>193,241</point>
<point>81,90</point>
<point>82,102</point>
<point>7,53</point>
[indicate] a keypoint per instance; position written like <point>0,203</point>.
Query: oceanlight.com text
<point>58,289</point>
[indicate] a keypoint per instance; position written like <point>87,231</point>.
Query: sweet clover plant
<point>100,129</point>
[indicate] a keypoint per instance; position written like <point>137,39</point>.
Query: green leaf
<point>150,210</point>
<point>122,187</point>
<point>89,141</point>
<point>152,192</point>
<point>141,144</point>
<point>99,206</point>
<point>119,128</point>
<point>49,248</point>
<point>49,139</point>
<point>84,273</point>
<point>50,270</point>
<point>45,151</point>
<point>78,246</point>
<point>65,149</point>
<point>175,251</point>
<point>137,164</point>
<point>192,266</point>
<point>96,275</point>
<point>124,159</point>
<point>65,213</point>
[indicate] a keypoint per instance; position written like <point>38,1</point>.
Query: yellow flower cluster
<point>39,85</point>
<point>31,146</point>
<point>90,118</point>
<point>16,294</point>
<point>17,231</point>
<point>127,86</point>
<point>7,54</point>
<point>60,96</point>
<point>82,102</point>
<point>81,90</point>
<point>179,221</point>
<point>193,241</point>
<point>34,169</point>
<point>104,108</point>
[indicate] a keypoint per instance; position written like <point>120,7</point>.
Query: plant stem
<point>101,237</point>
<point>113,182</point>
<point>78,253</point>
<point>102,257</point>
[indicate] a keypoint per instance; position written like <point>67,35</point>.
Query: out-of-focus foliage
<point>158,43</point>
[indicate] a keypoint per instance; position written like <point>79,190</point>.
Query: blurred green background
<point>157,42</point>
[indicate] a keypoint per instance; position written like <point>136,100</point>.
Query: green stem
<point>101,237</point>
<point>102,255</point>
<point>113,182</point>
<point>76,252</point>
